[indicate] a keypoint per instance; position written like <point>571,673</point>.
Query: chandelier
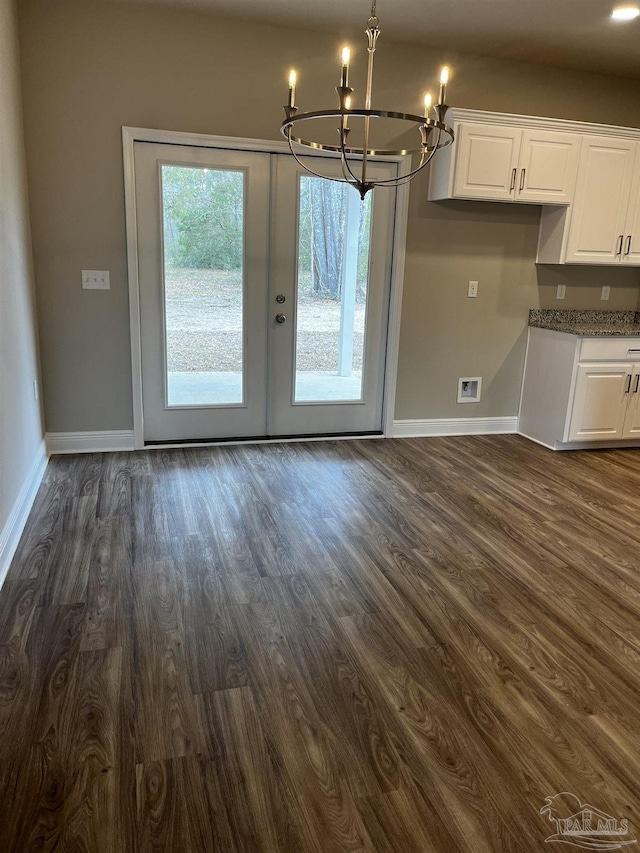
<point>433,132</point>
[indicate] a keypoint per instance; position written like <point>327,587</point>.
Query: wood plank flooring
<point>397,646</point>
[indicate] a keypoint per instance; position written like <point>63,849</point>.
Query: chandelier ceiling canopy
<point>434,133</point>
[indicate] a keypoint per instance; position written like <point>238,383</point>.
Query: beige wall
<point>91,67</point>
<point>20,420</point>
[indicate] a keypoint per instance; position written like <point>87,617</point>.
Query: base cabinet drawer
<point>610,349</point>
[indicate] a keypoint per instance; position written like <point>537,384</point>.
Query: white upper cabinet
<point>507,163</point>
<point>585,176</point>
<point>599,231</point>
<point>548,167</point>
<point>486,161</point>
<point>631,248</point>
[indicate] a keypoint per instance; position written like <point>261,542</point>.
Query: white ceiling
<point>568,33</point>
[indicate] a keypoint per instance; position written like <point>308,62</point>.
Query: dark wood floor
<point>400,646</point>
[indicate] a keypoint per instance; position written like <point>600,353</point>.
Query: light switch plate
<point>95,280</point>
<point>560,292</point>
<point>606,292</point>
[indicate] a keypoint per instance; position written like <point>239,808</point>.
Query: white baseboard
<point>12,530</point>
<point>454,426</point>
<point>89,442</point>
<point>104,442</point>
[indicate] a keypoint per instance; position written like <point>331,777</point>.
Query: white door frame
<point>131,135</point>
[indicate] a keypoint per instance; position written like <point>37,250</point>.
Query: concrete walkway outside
<point>215,388</point>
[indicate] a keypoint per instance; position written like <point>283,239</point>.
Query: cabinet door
<point>603,189</point>
<point>600,402</point>
<point>631,248</point>
<point>487,161</point>
<point>548,167</point>
<point>632,419</point>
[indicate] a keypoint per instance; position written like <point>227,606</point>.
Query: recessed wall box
<point>469,388</point>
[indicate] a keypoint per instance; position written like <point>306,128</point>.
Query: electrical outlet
<point>560,292</point>
<point>95,280</point>
<point>606,292</point>
<point>472,291</point>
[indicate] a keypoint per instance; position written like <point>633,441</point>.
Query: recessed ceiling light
<point>625,13</point>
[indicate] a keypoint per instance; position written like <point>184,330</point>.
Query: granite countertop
<point>587,323</point>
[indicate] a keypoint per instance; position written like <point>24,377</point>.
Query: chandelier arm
<point>397,182</point>
<point>403,179</point>
<point>406,179</point>
<point>307,169</point>
<point>414,172</point>
<point>349,177</point>
<point>401,182</point>
<point>346,169</point>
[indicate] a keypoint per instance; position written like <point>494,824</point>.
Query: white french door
<point>263,295</point>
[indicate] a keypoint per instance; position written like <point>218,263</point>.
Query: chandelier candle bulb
<point>346,58</point>
<point>428,100</point>
<point>444,79</point>
<point>292,88</point>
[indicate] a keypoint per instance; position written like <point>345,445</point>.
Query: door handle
<point>522,180</point>
<point>514,172</point>
<point>635,387</point>
<point>628,388</point>
<point>280,318</point>
<point>619,249</point>
<point>628,249</point>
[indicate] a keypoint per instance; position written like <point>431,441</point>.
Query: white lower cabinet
<point>579,389</point>
<point>632,418</point>
<point>601,401</point>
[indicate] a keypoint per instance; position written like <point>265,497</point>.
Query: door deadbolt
<point>280,298</point>
<point>280,318</point>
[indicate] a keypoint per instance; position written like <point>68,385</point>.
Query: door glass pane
<point>203,212</point>
<point>333,268</point>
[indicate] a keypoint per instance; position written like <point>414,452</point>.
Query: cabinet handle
<point>635,387</point>
<point>628,249</point>
<point>514,172</point>
<point>628,388</point>
<point>522,179</point>
<point>619,249</point>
